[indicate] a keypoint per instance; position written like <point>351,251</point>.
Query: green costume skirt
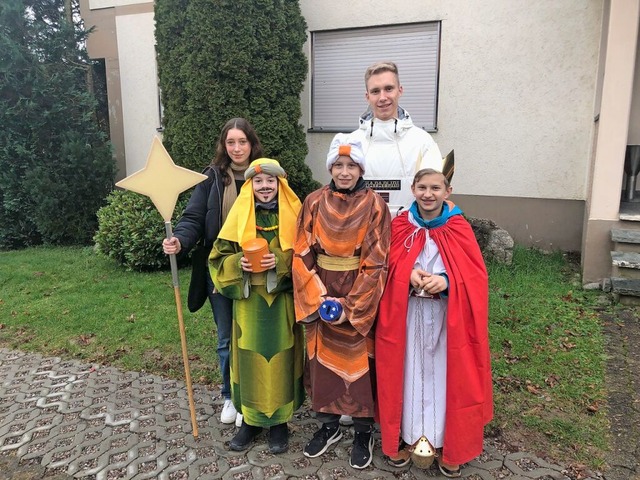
<point>267,358</point>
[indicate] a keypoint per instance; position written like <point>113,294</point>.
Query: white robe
<point>425,363</point>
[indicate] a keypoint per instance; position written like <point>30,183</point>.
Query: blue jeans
<point>222,308</point>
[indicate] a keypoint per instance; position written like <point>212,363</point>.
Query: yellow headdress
<point>240,225</point>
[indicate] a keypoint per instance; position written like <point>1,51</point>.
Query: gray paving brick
<point>98,423</point>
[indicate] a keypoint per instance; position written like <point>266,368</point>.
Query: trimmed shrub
<point>233,58</point>
<point>131,231</point>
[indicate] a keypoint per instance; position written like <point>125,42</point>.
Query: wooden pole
<point>183,336</point>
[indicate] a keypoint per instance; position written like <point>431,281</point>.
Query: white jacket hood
<point>394,151</point>
<point>403,122</point>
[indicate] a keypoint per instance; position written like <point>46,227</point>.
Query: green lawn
<point>548,358</point>
<point>546,341</point>
<point>70,302</point>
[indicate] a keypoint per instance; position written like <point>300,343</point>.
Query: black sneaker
<point>322,439</point>
<point>244,437</point>
<point>279,438</point>
<point>362,450</point>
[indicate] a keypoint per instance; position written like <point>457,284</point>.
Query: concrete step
<point>623,235</point>
<point>626,259</point>
<point>625,286</point>
<point>626,291</point>
<point>630,211</point>
<point>626,273</point>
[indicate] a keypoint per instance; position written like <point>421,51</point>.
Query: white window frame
<point>340,58</point>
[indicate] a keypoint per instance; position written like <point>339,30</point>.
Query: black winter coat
<point>202,219</point>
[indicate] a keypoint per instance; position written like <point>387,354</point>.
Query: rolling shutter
<point>340,58</point>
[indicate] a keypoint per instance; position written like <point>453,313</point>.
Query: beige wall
<point>614,129</point>
<point>139,80</point>
<point>124,36</point>
<point>548,224</point>
<point>518,93</point>
<point>517,88</point>
<point>634,121</point>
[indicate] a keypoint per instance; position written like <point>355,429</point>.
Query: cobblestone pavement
<point>63,419</point>
<point>622,335</point>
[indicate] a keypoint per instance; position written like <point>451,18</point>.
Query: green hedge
<point>131,231</point>
<point>233,58</point>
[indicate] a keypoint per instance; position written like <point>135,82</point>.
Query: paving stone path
<point>64,419</point>
<point>622,336</point>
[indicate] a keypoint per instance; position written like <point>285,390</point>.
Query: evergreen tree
<point>219,59</point>
<point>56,167</point>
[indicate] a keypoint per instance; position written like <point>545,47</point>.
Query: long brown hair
<point>222,160</point>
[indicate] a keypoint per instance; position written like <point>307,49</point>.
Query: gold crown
<point>448,166</point>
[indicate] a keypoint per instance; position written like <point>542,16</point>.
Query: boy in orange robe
<point>340,254</point>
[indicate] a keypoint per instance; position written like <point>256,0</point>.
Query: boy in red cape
<point>432,348</point>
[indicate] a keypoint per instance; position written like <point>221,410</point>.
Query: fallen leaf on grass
<point>578,471</point>
<point>511,359</point>
<point>85,339</point>
<point>531,388</point>
<point>132,318</point>
<point>508,384</point>
<point>568,297</point>
<point>593,408</point>
<point>552,380</point>
<point>568,345</point>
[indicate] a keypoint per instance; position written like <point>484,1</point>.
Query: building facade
<point>537,100</point>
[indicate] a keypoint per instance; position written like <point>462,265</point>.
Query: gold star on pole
<point>161,180</point>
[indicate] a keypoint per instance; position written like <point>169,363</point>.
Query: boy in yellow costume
<point>267,346</point>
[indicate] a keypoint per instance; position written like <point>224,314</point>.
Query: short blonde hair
<point>430,171</point>
<point>380,67</point>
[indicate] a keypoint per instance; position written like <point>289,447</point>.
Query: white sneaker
<point>239,420</point>
<point>346,420</point>
<point>229,412</point>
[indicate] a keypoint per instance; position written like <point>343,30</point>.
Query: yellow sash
<point>338,264</point>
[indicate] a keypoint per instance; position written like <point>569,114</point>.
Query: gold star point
<point>161,180</point>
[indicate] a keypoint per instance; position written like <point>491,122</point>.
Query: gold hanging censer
<point>423,453</point>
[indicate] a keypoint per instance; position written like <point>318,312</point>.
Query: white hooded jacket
<point>394,151</point>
